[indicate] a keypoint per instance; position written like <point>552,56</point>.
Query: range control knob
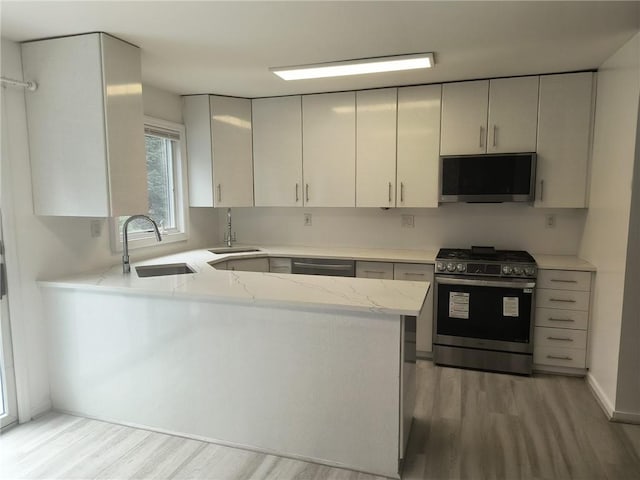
<point>440,266</point>
<point>529,271</point>
<point>461,267</point>
<point>451,267</point>
<point>517,270</point>
<point>506,269</point>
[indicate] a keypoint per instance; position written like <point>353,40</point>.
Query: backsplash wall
<point>505,226</point>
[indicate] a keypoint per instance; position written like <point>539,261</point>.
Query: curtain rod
<point>31,86</point>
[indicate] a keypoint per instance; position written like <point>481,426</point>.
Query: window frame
<point>181,232</point>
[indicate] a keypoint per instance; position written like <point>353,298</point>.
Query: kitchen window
<point>166,182</point>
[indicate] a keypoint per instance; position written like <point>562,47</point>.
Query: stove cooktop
<point>486,261</point>
<point>485,254</point>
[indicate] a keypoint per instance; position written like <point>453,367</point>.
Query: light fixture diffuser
<point>356,67</point>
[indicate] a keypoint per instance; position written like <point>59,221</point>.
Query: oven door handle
<point>518,284</point>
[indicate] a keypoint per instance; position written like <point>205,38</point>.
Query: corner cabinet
<point>564,139</point>
<point>329,149</point>
<point>219,146</point>
<point>86,126</point>
<point>277,151</point>
<point>490,116</point>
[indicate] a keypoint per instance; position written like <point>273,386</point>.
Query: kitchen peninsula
<point>310,367</point>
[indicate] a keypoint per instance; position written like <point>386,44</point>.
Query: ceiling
<point>227,47</point>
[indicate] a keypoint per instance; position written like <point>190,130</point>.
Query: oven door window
<point>491,313</point>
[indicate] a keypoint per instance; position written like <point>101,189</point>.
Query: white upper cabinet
<point>489,116</point>
<point>513,115</point>
<point>376,113</point>
<point>418,146</point>
<point>220,151</point>
<point>329,149</point>
<point>86,126</point>
<point>277,151</point>
<point>464,118</point>
<point>564,138</point>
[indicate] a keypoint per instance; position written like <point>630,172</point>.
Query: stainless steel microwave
<point>491,178</point>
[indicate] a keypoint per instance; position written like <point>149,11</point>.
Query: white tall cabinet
<point>376,113</point>
<point>489,116</point>
<point>564,139</point>
<point>219,146</point>
<point>86,126</point>
<point>418,157</point>
<point>277,151</point>
<point>329,149</point>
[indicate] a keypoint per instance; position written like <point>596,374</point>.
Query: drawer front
<point>560,338</point>
<point>562,299</point>
<point>280,265</point>
<point>564,280</point>
<point>249,265</point>
<point>374,270</point>
<point>557,318</point>
<point>416,272</point>
<point>561,357</point>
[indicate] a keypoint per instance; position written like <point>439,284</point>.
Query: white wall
<point>606,229</point>
<point>46,247</point>
<point>459,225</point>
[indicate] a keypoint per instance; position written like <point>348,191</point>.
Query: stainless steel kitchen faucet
<point>126,268</point>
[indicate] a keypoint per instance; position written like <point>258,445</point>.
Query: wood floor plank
<point>467,425</point>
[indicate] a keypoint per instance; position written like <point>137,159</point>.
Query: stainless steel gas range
<point>483,309</point>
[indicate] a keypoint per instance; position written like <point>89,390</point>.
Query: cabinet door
<point>464,118</point>
<point>376,147</point>
<point>249,265</point>
<point>382,270</point>
<point>277,151</point>
<point>232,155</point>
<point>197,123</point>
<point>420,273</point>
<point>513,115</point>
<point>329,149</point>
<point>564,137</point>
<point>418,146</point>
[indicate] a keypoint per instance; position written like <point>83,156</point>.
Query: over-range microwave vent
<point>496,178</point>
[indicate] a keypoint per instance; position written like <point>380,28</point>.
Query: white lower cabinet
<point>280,265</point>
<point>562,321</point>
<point>419,272</point>
<point>248,265</point>
<point>382,270</point>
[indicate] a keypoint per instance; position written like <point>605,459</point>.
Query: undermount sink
<point>161,270</point>
<point>222,250</point>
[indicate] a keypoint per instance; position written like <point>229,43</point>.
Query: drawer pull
<point>562,339</point>
<point>374,272</point>
<point>560,280</point>
<point>414,274</point>
<point>551,319</point>
<point>563,300</point>
<point>558,357</point>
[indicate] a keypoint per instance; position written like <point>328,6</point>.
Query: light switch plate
<point>307,219</point>
<point>550,221</point>
<point>407,221</point>
<point>96,228</point>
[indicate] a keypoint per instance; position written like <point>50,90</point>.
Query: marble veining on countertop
<point>395,297</point>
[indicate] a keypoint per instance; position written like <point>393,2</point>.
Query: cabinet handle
<point>307,192</point>
<point>401,192</point>
<point>219,192</point>
<point>558,357</point>
<point>542,190</point>
<point>560,280</point>
<point>374,271</point>
<point>389,192</point>
<point>551,319</point>
<point>481,136</point>
<point>297,197</point>
<point>562,339</point>
<point>563,300</point>
<point>414,274</point>
<point>495,128</point>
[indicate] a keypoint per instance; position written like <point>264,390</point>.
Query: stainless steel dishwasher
<point>323,266</point>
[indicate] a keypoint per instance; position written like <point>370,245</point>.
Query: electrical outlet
<point>550,221</point>
<point>407,221</point>
<point>307,219</point>
<point>96,228</point>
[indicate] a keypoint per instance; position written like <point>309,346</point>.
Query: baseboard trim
<point>41,410</point>
<point>626,417</point>
<point>602,399</point>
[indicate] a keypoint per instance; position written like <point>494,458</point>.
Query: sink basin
<point>222,250</point>
<point>166,269</point>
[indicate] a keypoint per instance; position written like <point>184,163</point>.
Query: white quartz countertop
<point>563,262</point>
<point>394,297</point>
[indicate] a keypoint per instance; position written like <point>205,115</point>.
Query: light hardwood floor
<point>468,424</point>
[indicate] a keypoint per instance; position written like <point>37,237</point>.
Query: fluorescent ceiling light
<point>356,67</point>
